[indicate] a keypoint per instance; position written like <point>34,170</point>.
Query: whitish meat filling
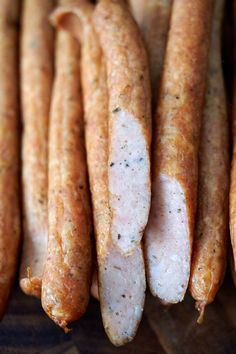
<point>129,185</point>
<point>123,293</point>
<point>167,241</point>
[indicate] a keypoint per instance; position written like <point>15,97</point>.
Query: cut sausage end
<point>129,184</point>
<point>122,296</point>
<point>167,242</point>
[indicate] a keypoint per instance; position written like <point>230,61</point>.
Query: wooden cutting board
<point>26,329</point>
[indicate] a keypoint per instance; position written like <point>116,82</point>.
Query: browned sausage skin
<point>67,273</point>
<point>121,276</point>
<point>36,83</point>
<point>153,18</point>
<point>232,203</point>
<point>169,234</point>
<point>210,244</point>
<point>9,148</point>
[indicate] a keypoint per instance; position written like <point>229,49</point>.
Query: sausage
<point>121,276</point>
<point>129,123</point>
<point>210,243</point>
<point>129,131</point>
<point>232,194</point>
<point>153,18</point>
<point>36,84</point>
<point>67,273</point>
<point>169,234</point>
<point>9,148</point>
<point>128,169</point>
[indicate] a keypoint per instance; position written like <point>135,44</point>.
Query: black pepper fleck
<point>116,110</point>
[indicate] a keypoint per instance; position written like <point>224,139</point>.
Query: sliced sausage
<point>169,234</point>
<point>129,123</point>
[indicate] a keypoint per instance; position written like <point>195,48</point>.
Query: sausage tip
<point>31,285</point>
<point>200,306</point>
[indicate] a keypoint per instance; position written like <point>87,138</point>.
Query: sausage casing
<point>9,148</point>
<point>36,84</point>
<point>67,273</point>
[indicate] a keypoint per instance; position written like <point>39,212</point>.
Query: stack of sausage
<point>124,71</point>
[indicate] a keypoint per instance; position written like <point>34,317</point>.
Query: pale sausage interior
<point>122,294</point>
<point>128,181</point>
<point>168,248</point>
